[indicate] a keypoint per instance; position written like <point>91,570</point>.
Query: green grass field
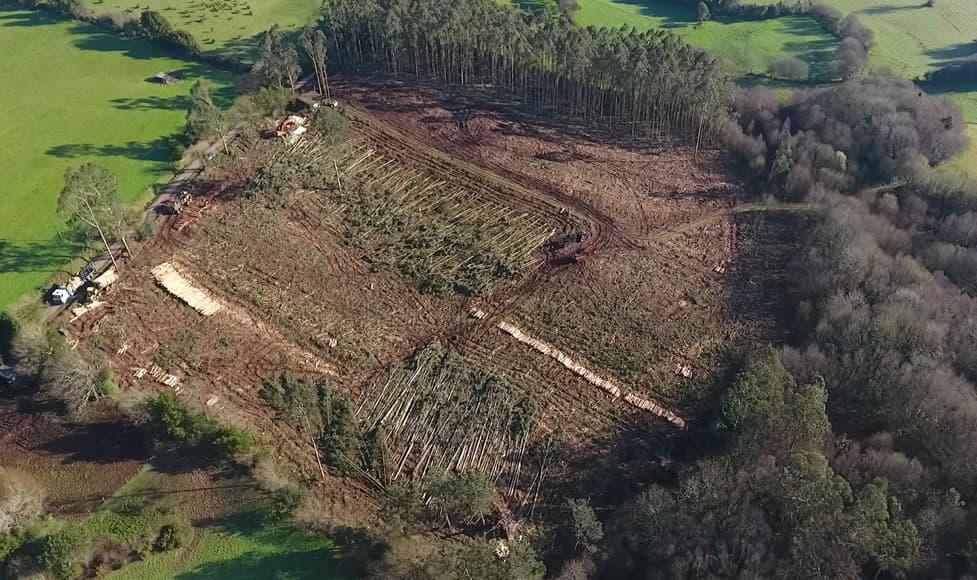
<point>73,94</point>
<point>747,47</point>
<point>240,541</point>
<point>243,546</point>
<point>228,27</point>
<point>912,38</point>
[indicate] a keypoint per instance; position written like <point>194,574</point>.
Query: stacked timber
<point>588,375</point>
<point>651,407</point>
<point>177,285</point>
<point>561,357</point>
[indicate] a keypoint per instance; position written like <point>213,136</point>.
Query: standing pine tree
<point>703,12</point>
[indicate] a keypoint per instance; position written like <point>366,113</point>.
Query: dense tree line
<point>773,506</point>
<point>848,454</point>
<point>650,79</point>
<point>864,131</point>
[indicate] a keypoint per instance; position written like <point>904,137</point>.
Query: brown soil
<point>652,294</point>
<point>78,467</point>
<point>635,191</point>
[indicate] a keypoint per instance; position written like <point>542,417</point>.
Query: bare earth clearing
<point>650,299</point>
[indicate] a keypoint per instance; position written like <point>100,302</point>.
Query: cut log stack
<point>567,361</point>
<point>177,285</point>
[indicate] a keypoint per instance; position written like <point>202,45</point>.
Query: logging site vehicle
<point>291,128</point>
<point>567,249</point>
<point>574,257</point>
<point>83,289</point>
<point>175,204</point>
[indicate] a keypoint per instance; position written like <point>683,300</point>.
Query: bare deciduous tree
<point>21,501</point>
<point>70,378</point>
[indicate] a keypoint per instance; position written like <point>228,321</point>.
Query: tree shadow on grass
<point>174,103</point>
<point>890,9</point>
<point>302,557</point>
<point>949,54</point>
<point>310,564</point>
<point>672,15</point>
<point>23,17</point>
<point>159,152</point>
<point>91,37</point>
<point>244,48</point>
<point>34,256</point>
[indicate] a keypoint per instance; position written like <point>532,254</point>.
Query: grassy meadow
<point>72,94</point>
<point>233,535</point>
<point>912,38</point>
<point>229,27</point>
<point>747,47</point>
<point>243,546</point>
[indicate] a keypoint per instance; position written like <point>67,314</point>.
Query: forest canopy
<point>650,81</point>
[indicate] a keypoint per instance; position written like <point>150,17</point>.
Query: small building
<point>60,295</point>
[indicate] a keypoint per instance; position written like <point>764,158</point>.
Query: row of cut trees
<point>619,77</point>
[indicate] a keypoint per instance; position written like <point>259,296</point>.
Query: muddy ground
<point>658,288</point>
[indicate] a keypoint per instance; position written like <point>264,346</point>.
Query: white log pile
<point>177,285</point>
<point>585,373</point>
<point>561,357</point>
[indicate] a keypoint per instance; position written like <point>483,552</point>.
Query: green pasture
<point>73,93</point>
<point>912,38</point>
<point>243,543</point>
<point>239,539</point>
<point>242,546</point>
<point>229,27</point>
<point>747,47</point>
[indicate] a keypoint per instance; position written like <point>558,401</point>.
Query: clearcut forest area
<point>455,289</point>
<point>74,93</point>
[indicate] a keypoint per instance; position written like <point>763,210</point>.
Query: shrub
<point>146,230</point>
<point>268,102</point>
<point>331,124</point>
<point>106,383</point>
<point>156,26</point>
<point>459,498</point>
<point>285,501</point>
<point>76,9</point>
<point>790,68</point>
<point>68,377</point>
<point>173,535</point>
<point>123,21</point>
<point>229,441</point>
<point>174,423</point>
<point>21,502</point>
<point>8,329</point>
<point>58,552</point>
